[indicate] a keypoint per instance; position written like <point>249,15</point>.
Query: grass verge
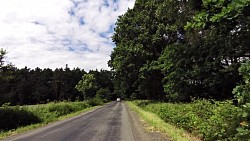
<point>157,124</point>
<point>47,114</point>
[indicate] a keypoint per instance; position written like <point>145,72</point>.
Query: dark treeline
<point>26,86</point>
<point>33,86</point>
<point>177,50</point>
<point>170,50</point>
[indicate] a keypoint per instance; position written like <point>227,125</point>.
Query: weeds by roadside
<point>157,124</point>
<point>20,117</point>
<point>204,119</point>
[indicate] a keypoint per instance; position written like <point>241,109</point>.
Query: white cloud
<point>52,33</point>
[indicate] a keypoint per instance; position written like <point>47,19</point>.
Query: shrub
<point>242,94</point>
<point>13,117</point>
<point>53,110</point>
<point>104,93</point>
<point>61,109</point>
<point>95,101</point>
<point>17,116</point>
<point>210,121</point>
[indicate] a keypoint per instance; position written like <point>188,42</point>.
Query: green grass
<point>157,124</point>
<point>52,111</point>
<point>46,113</point>
<point>204,119</point>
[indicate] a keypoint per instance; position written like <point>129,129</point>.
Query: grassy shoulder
<point>202,118</point>
<point>19,119</point>
<point>157,124</point>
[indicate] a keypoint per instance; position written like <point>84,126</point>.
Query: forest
<point>177,51</point>
<point>37,86</point>
<point>165,50</point>
<point>191,57</point>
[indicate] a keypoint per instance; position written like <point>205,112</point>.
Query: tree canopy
<point>179,50</point>
<point>32,86</point>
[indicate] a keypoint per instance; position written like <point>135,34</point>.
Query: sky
<point>53,33</point>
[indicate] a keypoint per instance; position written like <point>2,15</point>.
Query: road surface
<point>108,123</point>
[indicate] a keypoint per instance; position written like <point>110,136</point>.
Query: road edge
<point>139,128</point>
<point>55,123</point>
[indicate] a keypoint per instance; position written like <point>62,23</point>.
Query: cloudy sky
<point>53,33</point>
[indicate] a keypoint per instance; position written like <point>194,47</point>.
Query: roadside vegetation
<point>190,59</point>
<point>179,52</point>
<point>156,124</point>
<point>21,118</point>
<point>26,95</point>
<point>207,120</point>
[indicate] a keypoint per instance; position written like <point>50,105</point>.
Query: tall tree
<point>2,54</point>
<point>139,42</point>
<point>87,86</point>
<point>225,31</point>
<point>190,48</point>
<point>43,89</point>
<point>6,78</point>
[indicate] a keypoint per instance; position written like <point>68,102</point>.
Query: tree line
<point>179,50</point>
<point>33,86</point>
<point>165,50</point>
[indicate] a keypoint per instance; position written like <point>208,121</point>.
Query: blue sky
<point>53,33</point>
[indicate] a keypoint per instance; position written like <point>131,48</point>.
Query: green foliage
<point>242,91</point>
<point>86,84</point>
<point>95,101</point>
<point>63,108</point>
<point>104,84</point>
<point>104,94</point>
<point>38,86</point>
<point>26,86</point>
<point>242,94</point>
<point>179,50</point>
<point>220,11</point>
<point>207,120</point>
<point>206,64</point>
<point>51,111</point>
<point>139,42</point>
<point>2,55</point>
<point>97,84</point>
<point>13,117</point>
<point>155,123</point>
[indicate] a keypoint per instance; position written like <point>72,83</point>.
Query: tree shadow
<point>12,118</point>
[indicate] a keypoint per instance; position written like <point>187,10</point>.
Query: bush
<point>17,116</point>
<point>207,120</point>
<point>53,110</point>
<point>61,108</point>
<point>242,94</point>
<point>104,93</point>
<point>14,117</point>
<point>95,101</point>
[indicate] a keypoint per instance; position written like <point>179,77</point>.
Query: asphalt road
<point>108,123</point>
